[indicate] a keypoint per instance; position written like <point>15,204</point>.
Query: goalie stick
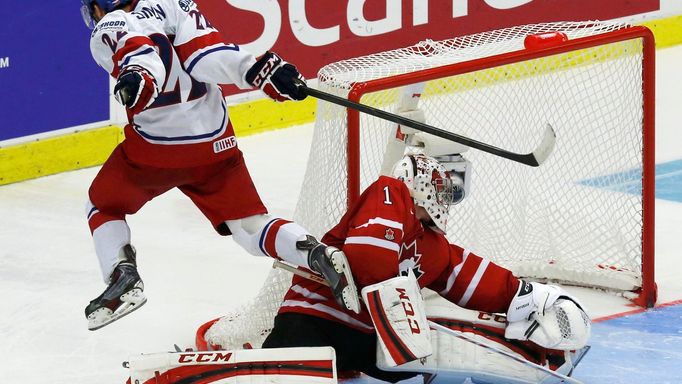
<point>440,328</point>
<point>533,159</point>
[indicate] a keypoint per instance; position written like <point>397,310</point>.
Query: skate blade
<point>349,293</point>
<point>132,300</point>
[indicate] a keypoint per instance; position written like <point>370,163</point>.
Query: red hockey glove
<point>276,78</point>
<point>135,89</point>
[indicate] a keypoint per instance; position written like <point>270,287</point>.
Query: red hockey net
<point>585,217</point>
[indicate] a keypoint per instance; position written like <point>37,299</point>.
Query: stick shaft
<point>533,159</point>
<point>305,274</point>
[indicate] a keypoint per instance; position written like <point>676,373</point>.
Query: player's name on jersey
<point>155,11</point>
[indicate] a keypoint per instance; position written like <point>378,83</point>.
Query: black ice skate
<point>123,295</point>
<point>332,264</point>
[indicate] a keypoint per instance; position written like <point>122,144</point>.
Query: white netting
<point>575,219</point>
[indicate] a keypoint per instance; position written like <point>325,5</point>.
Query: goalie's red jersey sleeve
<point>372,232</point>
<point>474,282</point>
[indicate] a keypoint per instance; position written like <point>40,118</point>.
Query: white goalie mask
<point>430,185</point>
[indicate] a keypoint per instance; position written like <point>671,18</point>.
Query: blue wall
<point>51,82</point>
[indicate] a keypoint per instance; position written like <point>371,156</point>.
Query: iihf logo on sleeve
<point>224,144</point>
<point>4,62</point>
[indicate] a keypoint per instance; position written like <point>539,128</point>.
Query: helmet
<point>430,185</point>
<point>106,5</point>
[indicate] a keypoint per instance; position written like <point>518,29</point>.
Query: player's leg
<point>119,189</point>
<point>355,350</point>
<point>288,241</point>
<point>226,195</point>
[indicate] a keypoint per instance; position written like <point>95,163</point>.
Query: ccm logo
<point>207,357</point>
<point>224,144</point>
<point>265,71</point>
<point>409,310</point>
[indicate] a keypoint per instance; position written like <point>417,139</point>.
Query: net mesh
<point>576,219</point>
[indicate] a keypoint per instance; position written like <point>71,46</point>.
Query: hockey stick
<point>534,159</point>
<point>440,328</point>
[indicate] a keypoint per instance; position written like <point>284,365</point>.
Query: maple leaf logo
<point>410,259</point>
<point>390,234</point>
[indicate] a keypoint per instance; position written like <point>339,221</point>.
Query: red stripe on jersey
<point>325,307</point>
<point>131,45</point>
<point>398,351</point>
<point>187,49</point>
<point>271,237</point>
<point>98,218</point>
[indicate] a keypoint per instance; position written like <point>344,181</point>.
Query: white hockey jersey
<point>188,124</point>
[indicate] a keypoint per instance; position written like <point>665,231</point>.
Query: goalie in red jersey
<point>394,239</point>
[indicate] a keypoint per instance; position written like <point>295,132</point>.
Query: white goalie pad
<point>397,311</point>
<point>277,366</point>
<point>455,360</point>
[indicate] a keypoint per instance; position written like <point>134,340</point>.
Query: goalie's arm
<point>476,283</point>
<point>544,314</point>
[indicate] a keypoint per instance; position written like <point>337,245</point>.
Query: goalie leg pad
<point>278,366</point>
<point>397,311</point>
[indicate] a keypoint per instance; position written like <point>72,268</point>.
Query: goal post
<point>584,217</point>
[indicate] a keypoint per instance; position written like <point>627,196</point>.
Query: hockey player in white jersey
<point>168,60</point>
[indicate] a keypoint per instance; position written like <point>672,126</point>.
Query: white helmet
<point>430,185</point>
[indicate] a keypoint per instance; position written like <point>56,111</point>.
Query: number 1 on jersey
<point>387,195</point>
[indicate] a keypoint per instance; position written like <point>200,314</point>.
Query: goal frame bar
<point>648,291</point>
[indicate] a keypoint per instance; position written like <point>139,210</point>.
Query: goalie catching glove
<point>397,310</point>
<point>277,78</point>
<point>135,88</point>
<point>548,316</point>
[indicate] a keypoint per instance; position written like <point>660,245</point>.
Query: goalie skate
<point>124,294</point>
<point>332,264</point>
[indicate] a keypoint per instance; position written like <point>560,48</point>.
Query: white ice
<point>48,270</point>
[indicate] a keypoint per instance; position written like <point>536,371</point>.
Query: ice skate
<point>123,295</point>
<point>332,264</point>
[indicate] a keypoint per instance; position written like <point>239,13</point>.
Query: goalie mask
<point>431,186</point>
